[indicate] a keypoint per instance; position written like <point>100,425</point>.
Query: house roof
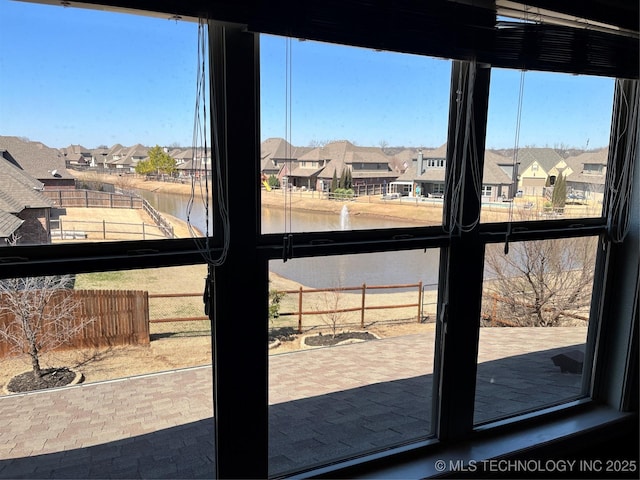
<point>577,163</point>
<point>547,158</point>
<point>36,158</point>
<point>8,224</point>
<point>75,150</point>
<point>492,174</point>
<point>19,191</point>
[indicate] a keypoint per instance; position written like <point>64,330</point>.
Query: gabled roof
<point>75,150</point>
<point>35,158</point>
<point>547,158</point>
<point>281,149</point>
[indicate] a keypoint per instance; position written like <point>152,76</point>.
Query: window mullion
<point>462,262</point>
<point>240,374</point>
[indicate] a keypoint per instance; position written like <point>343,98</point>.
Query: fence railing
<point>80,229</point>
<point>174,309</point>
<point>335,306</point>
<point>95,199</point>
<point>92,198</point>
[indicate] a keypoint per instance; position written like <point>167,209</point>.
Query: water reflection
<point>319,272</point>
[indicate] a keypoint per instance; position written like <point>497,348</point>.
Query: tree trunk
<point>35,362</point>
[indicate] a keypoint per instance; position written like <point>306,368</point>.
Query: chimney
<point>420,169</point>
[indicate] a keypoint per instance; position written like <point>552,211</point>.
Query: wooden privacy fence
<point>111,317</point>
<point>362,307</point>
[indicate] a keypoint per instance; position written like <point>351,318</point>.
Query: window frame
<point>461,252</point>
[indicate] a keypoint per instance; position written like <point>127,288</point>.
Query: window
<point>545,140</point>
<point>351,368</point>
<point>486,190</point>
<point>448,394</point>
<point>360,131</point>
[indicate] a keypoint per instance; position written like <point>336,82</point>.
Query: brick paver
<point>324,404</point>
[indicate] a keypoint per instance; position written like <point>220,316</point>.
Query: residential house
<point>192,163</point>
<point>425,176</point>
<point>587,180</point>
<point>538,168</point>
<point>45,164</point>
<point>276,157</point>
<point>368,166</point>
<point>77,156</point>
<point>98,157</point>
<point>126,159</point>
<point>25,213</point>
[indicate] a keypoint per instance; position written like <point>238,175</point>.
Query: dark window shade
<point>565,49</point>
<point>438,28</point>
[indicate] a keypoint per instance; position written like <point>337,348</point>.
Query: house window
<point>486,190</point>
<point>593,169</point>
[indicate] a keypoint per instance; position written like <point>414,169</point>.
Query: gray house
<point>425,175</point>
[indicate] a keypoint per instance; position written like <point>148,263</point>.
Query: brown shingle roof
<point>36,158</point>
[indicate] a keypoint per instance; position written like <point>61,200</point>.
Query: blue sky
<point>79,76</point>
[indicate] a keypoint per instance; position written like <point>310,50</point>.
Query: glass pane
<point>351,355</point>
<point>83,113</point>
<point>134,355</point>
<point>535,315</point>
<point>107,325</point>
<point>547,146</point>
<point>351,129</point>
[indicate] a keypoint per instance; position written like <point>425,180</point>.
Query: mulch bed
<point>283,334</point>
<point>329,340</point>
<point>51,378</point>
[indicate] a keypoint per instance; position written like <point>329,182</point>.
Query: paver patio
<point>324,404</point>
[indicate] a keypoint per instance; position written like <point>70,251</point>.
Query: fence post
<point>60,227</point>
<point>104,230</point>
<point>111,200</point>
<point>143,231</point>
<point>420,301</point>
<point>86,198</point>
<point>364,294</point>
<point>300,311</point>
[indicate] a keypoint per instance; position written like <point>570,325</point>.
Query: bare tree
<point>539,283</point>
<point>330,309</point>
<point>39,314</point>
